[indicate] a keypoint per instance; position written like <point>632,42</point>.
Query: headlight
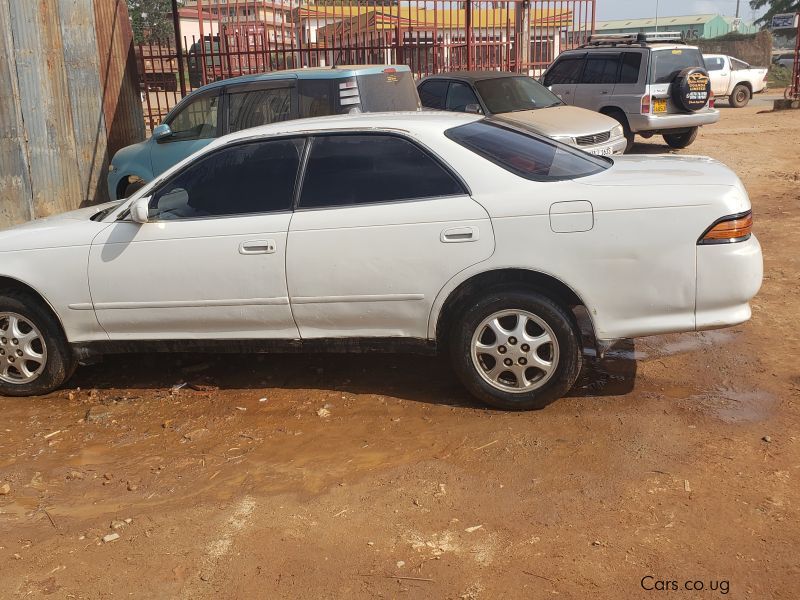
<point>565,139</point>
<point>617,131</point>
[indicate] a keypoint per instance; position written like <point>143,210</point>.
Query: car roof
<point>335,72</point>
<point>473,76</point>
<point>413,123</point>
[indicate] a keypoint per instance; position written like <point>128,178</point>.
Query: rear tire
<point>740,96</point>
<point>681,140</point>
<point>32,337</point>
<point>535,337</point>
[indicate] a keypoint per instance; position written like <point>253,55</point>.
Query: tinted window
<point>390,90</point>
<point>601,68</point>
<point>510,94</point>
<point>524,154</point>
<point>316,97</point>
<point>666,64</point>
<point>459,95</point>
<point>432,94</point>
<point>714,63</point>
<point>249,178</point>
<point>364,169</point>
<point>631,63</point>
<point>738,65</point>
<point>197,120</point>
<point>259,107</point>
<point>566,70</point>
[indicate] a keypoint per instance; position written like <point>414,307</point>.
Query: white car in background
<point>734,79</point>
<point>385,231</point>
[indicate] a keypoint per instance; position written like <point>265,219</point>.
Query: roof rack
<point>637,39</point>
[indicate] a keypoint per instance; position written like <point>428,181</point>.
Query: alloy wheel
<point>23,352</point>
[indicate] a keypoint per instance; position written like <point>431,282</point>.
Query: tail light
<point>711,100</point>
<point>733,228</point>
<point>646,105</point>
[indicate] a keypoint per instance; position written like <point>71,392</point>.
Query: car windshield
<point>513,94</point>
<point>526,154</point>
<point>666,64</point>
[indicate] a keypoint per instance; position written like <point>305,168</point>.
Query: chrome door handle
<point>460,234</point>
<point>257,247</point>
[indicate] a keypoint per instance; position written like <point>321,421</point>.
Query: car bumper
<point>651,122</point>
<point>614,146</point>
<point>728,277</point>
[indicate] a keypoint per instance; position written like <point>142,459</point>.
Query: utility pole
<point>737,8</point>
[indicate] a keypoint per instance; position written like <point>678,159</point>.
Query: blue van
<point>233,104</point>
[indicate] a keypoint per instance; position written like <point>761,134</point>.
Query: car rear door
<point>380,227</point>
<point>597,82</point>
<point>720,73</point>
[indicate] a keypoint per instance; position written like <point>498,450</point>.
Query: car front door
<point>380,228</point>
<point>194,125</point>
<point>260,103</point>
<point>563,76</point>
<point>210,261</point>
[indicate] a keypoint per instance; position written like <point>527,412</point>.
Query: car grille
<point>591,140</point>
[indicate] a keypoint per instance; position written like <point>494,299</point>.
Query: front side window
<point>525,154</point>
<point>513,94</point>
<point>601,68</point>
<point>566,70</point>
<point>666,64</point>
<point>460,96</point>
<point>433,93</point>
<point>256,177</point>
<point>259,107</point>
<point>345,170</point>
<point>197,120</point>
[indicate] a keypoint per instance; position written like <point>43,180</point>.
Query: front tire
<point>516,350</point>
<point>681,140</point>
<point>740,96</point>
<point>34,355</point>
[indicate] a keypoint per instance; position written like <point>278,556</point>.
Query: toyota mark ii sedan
<point>428,231</point>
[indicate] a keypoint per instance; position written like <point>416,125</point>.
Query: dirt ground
<point>674,459</point>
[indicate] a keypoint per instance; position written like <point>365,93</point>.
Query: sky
<point>634,9</point>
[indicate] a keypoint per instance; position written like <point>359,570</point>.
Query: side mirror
<point>473,108</point>
<point>140,210</point>
<point>161,132</point>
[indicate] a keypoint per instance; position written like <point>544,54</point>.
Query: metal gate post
<point>176,24</point>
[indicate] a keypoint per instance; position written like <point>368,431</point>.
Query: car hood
<point>65,229</point>
<point>561,120</point>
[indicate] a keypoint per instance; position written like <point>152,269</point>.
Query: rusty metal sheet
<point>82,68</point>
<point>45,107</point>
<point>15,181</point>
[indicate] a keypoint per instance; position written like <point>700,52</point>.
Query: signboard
<point>785,21</point>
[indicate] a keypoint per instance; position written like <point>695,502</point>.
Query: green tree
<point>151,20</point>
<point>774,7</point>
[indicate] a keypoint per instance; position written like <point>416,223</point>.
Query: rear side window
<point>739,65</point>
<point>524,154</point>
<point>433,94</point>
<point>566,70</point>
<point>346,170</point>
<point>629,71</point>
<point>601,68</point>
<point>460,96</point>
<point>714,63</point>
<point>258,107</point>
<point>666,64</point>
<point>257,177</point>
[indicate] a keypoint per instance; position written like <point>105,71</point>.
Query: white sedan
<point>385,231</point>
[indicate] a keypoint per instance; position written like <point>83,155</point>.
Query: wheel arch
<point>123,183</point>
<point>11,284</point>
<point>746,84</point>
<point>450,306</point>
<point>611,109</point>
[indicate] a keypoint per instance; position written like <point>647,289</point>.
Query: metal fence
<point>220,39</point>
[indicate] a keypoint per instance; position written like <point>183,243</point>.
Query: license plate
<point>660,105</point>
<point>605,151</point>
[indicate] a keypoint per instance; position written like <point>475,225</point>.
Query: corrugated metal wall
<point>62,75</point>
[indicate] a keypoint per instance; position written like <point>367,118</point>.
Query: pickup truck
<point>734,79</point>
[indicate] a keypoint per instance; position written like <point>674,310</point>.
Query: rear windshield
<point>666,64</point>
<point>513,94</point>
<point>388,91</point>
<point>526,154</point>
